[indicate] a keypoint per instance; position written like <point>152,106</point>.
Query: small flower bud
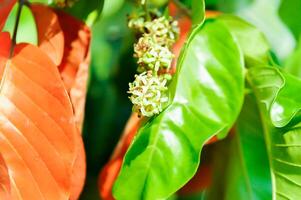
<point>148,94</point>
<point>137,23</point>
<point>152,56</point>
<point>164,30</point>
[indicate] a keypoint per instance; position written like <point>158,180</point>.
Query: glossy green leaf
<point>277,94</point>
<point>207,95</point>
<point>252,42</point>
<point>244,172</point>
<point>198,11</point>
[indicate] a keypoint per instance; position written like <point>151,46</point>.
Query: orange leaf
<point>5,8</point>
<point>50,34</point>
<point>37,129</point>
<point>74,68</point>
<point>4,181</point>
<point>79,170</point>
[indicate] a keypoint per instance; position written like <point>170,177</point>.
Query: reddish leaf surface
<point>4,181</point>
<point>5,8</point>
<point>50,34</point>
<point>78,170</point>
<point>37,128</point>
<point>74,68</point>
<point>66,40</point>
<point>201,180</point>
<point>74,71</point>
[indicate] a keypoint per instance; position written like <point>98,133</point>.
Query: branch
<point>20,6</point>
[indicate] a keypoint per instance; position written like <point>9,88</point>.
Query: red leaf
<point>79,170</point>
<point>50,34</point>
<point>5,8</point>
<point>37,129</point>
<point>74,68</point>
<point>67,41</point>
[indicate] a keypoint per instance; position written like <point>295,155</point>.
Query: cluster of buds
<point>148,94</point>
<point>64,3</point>
<point>164,30</point>
<point>154,57</point>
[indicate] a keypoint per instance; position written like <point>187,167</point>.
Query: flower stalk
<point>149,91</point>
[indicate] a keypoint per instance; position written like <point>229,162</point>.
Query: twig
<point>14,39</point>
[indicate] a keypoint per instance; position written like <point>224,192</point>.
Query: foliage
<point>229,125</point>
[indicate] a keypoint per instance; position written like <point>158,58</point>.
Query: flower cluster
<point>164,30</point>
<point>148,94</point>
<point>154,58</point>
<point>64,3</point>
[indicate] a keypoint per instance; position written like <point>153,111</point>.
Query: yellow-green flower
<point>152,56</point>
<point>148,94</point>
<point>164,30</point>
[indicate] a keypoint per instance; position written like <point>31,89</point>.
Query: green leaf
<point>264,15</point>
<point>293,63</point>
<point>289,12</point>
<point>198,11</point>
<point>277,94</point>
<point>252,42</point>
<point>244,172</point>
<point>207,95</point>
<point>27,31</point>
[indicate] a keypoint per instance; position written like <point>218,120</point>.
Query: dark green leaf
<point>198,11</point>
<point>245,171</point>
<point>207,95</point>
<point>83,9</point>
<point>290,13</point>
<point>277,94</point>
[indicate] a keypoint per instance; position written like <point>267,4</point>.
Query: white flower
<point>152,56</point>
<point>148,94</point>
<point>164,30</point>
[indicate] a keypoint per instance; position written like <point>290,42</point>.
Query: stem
<point>182,7</point>
<point>20,6</point>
